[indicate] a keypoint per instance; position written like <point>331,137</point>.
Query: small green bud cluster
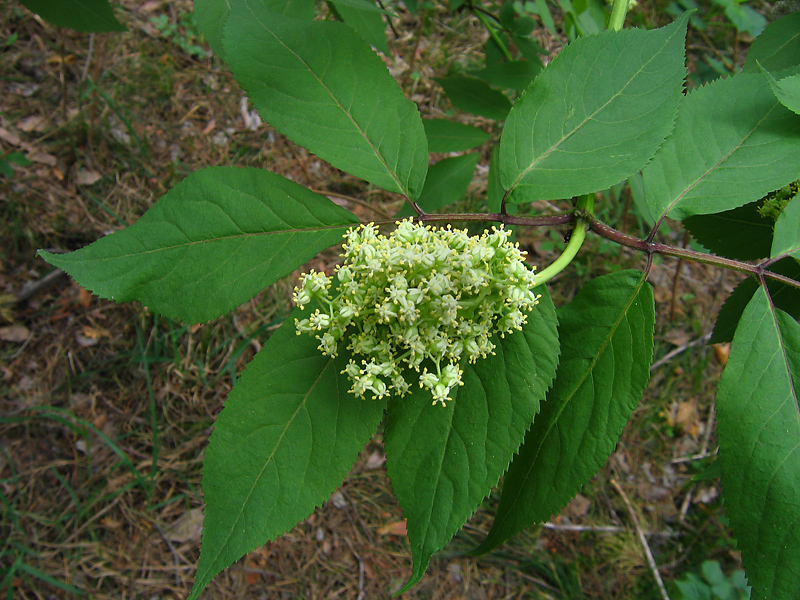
<point>421,293</point>
<point>772,204</point>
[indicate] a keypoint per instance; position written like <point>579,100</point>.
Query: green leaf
<point>778,46</point>
<point>606,336</point>
<point>364,5</point>
<point>758,425</point>
<point>787,231</point>
<point>476,97</point>
<point>366,22</point>
<point>324,88</point>
<point>722,233</point>
<point>596,114</point>
<point>733,143</point>
<point>288,434</point>
<point>213,14</point>
<point>449,136</point>
<point>785,297</point>
<point>516,75</point>
<point>81,15</point>
<point>786,90</point>
<point>447,182</point>
<point>209,244</point>
<point>444,461</point>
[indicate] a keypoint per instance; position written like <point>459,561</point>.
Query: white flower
<point>421,297</point>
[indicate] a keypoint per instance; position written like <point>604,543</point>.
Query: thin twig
<point>643,541</point>
<point>600,529</point>
<point>673,353</point>
<point>361,592</point>
<point>354,200</point>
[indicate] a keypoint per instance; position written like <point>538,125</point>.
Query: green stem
<point>585,208</point>
<point>493,33</point>
<point>618,12</point>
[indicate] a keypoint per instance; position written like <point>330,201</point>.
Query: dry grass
<point>105,409</point>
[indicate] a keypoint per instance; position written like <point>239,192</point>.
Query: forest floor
<point>105,408</point>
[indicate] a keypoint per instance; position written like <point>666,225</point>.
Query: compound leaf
<point>758,424</point>
<point>606,336</point>
<point>450,136</point>
<point>80,15</point>
<point>211,243</point>
<point>321,85</point>
<point>444,461</point>
<point>596,114</point>
<point>733,143</point>
<point>288,434</point>
<point>447,182</point>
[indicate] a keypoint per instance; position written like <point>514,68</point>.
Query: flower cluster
<point>421,297</point>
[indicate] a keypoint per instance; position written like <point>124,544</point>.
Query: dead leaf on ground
<point>396,528</point>
<point>579,506</point>
<point>376,460</point>
<point>14,333</point>
<point>722,351</point>
<point>187,528</point>
<point>87,177</point>
<point>32,123</point>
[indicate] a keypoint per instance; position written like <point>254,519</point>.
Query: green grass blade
<point>606,336</point>
<point>210,244</point>
<point>758,424</point>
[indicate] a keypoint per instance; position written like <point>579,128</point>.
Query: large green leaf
<point>81,15</point>
<point>758,425</point>
<point>596,114</point>
<point>733,143</point>
<point>787,231</point>
<point>450,136</point>
<point>288,434</point>
<point>211,243</point>
<point>321,85</point>
<point>722,233</point>
<point>778,46</point>
<point>212,15</point>
<point>444,461</point>
<point>447,182</point>
<point>606,336</point>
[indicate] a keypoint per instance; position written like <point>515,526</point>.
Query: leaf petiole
<point>585,206</point>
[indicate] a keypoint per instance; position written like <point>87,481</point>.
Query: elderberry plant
<point>543,405</point>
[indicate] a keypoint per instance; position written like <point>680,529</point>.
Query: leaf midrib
<point>277,444</point>
<point>588,118</point>
<point>338,104</point>
<point>577,387</point>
